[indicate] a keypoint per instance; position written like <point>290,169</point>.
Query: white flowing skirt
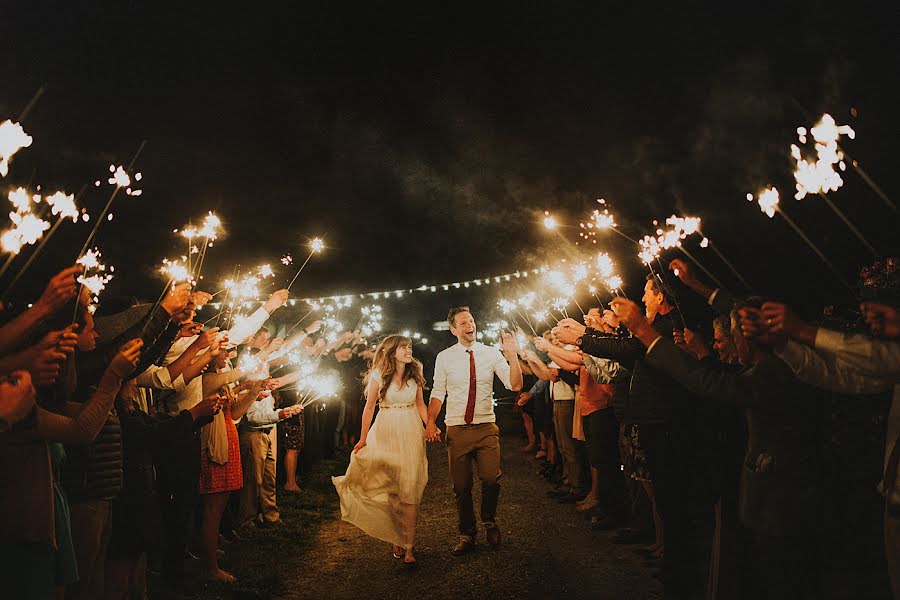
<point>385,481</point>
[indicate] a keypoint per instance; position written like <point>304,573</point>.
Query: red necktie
<point>470,405</point>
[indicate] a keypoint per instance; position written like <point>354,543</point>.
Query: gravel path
<point>547,550</point>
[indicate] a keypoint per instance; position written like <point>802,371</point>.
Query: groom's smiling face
<point>464,327</point>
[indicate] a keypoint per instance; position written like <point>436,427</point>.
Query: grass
<point>264,560</point>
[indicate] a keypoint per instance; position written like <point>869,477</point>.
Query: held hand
<point>629,313</point>
<point>755,326</point>
<point>432,433</point>
<point>16,396</point>
<point>541,344</point>
<point>190,329</point>
<point>610,318</point>
<point>276,301</point>
<point>509,343</point>
<point>200,299</point>
<point>524,398</point>
<point>881,318</point>
<point>684,272</point>
<point>177,299</point>
<point>206,339</point>
<point>313,327</point>
<point>359,446</point>
<point>568,331</point>
<point>275,345</point>
<point>207,407</point>
<point>59,291</point>
<point>127,359</point>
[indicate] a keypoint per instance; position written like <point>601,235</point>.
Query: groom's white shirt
<point>451,379</point>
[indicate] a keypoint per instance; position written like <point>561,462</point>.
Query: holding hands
<point>568,331</point>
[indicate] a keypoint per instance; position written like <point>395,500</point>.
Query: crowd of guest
<point>135,438</point>
<point>698,431</point>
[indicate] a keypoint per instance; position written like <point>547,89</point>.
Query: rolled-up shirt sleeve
<point>869,356</point>
<point>245,327</point>
<point>825,371</point>
<point>601,370</point>
<point>262,413</point>
<point>158,378</point>
<point>501,369</point>
<point>439,389</point>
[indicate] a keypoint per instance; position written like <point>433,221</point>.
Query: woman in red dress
<point>218,480</point>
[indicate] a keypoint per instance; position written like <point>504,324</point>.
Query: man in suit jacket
<point>781,477</point>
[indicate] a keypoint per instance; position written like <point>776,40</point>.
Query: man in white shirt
<point>464,374</point>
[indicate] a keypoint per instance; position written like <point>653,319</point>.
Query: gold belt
<point>383,406</point>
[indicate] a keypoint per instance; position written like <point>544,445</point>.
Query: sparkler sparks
<point>27,228</point>
<point>95,276</point>
<point>767,200</point>
<point>12,139</point>
<point>63,205</point>
<point>316,245</point>
<point>253,367</point>
<point>549,221</point>
<point>176,271</point>
<point>287,259</point>
<point>820,177</point>
<point>121,179</point>
<point>266,271</point>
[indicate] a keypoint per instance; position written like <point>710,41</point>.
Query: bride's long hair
<point>386,366</point>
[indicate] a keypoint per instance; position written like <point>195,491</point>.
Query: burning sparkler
<point>12,139</point>
<point>316,245</point>
<point>95,275</point>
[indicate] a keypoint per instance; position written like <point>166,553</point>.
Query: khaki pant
<point>563,412</point>
<point>258,465</point>
<point>479,444</point>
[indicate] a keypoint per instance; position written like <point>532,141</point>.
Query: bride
<point>382,488</point>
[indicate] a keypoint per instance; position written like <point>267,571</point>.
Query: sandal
<point>398,552</point>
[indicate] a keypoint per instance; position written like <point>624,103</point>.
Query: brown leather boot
<point>465,545</point>
<point>493,534</point>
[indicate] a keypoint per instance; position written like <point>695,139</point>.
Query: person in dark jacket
<point>672,436</point>
<point>781,479</point>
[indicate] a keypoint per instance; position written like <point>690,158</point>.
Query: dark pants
<point>601,431</point>
<point>684,504</point>
<point>178,477</point>
<point>479,444</point>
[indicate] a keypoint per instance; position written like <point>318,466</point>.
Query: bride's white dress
<point>383,485</point>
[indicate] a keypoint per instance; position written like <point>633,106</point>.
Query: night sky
<point>427,142</point>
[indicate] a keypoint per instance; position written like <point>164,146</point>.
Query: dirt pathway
<point>547,551</point>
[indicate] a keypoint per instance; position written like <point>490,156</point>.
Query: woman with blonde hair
<point>383,486</point>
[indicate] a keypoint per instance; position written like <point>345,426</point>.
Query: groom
<point>464,373</point>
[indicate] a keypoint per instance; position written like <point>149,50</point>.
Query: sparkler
<point>316,245</point>
<point>113,195</point>
<point>210,233</point>
<point>549,221</point>
<point>12,139</point>
<point>769,203</point>
<point>27,228</point>
<point>60,204</point>
<point>95,275</point>
<point>820,177</point>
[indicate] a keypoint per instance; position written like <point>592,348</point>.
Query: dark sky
<point>425,142</point>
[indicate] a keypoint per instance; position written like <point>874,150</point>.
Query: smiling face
<point>463,327</point>
<point>404,353</point>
